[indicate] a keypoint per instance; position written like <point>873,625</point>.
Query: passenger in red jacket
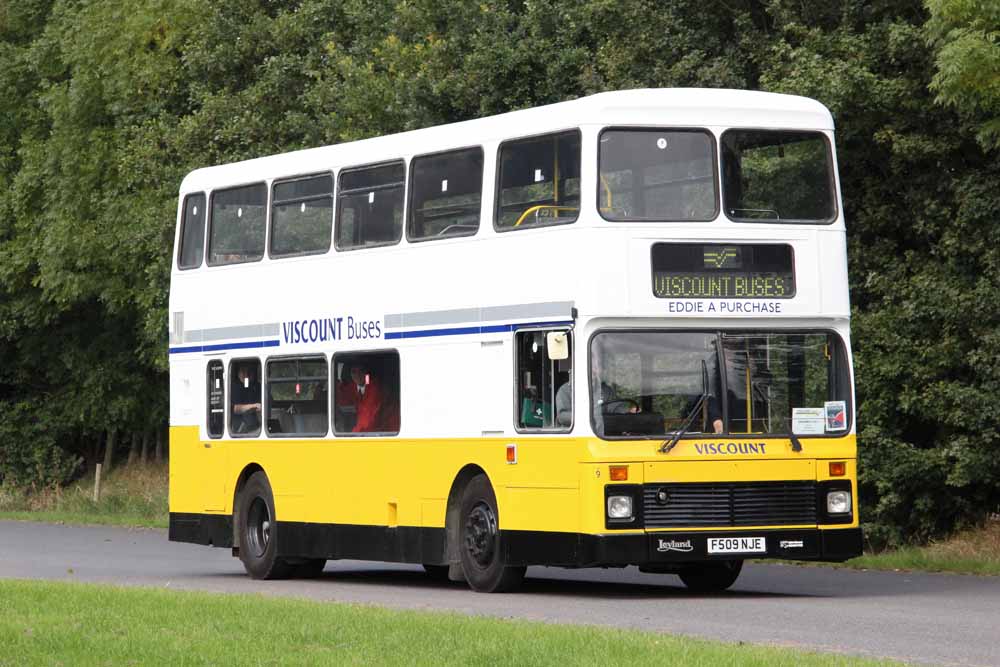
<point>369,400</point>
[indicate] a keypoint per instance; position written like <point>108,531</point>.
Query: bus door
<point>210,472</point>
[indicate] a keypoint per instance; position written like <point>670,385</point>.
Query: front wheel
<point>257,530</point>
<point>711,577</point>
<point>480,541</point>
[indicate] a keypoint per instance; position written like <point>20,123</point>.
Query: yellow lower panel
<point>554,486</point>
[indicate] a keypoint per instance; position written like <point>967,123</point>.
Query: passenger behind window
<point>246,400</point>
<point>345,401</point>
<point>564,402</point>
<point>369,399</point>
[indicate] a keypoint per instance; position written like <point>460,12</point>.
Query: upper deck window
<point>192,232</point>
<point>370,206</point>
<point>777,176</point>
<point>446,193</point>
<point>539,181</point>
<point>302,216</point>
<point>657,174</point>
<point>237,226</point>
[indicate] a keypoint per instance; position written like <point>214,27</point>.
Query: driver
<point>606,399</point>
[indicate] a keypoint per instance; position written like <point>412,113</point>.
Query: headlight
<point>620,507</point>
<point>838,502</point>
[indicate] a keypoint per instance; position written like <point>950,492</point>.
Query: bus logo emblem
<point>722,257</point>
<point>675,545</point>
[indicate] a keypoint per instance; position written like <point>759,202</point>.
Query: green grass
<point>133,495</point>
<point>77,624</point>
<point>970,552</point>
<point>925,560</point>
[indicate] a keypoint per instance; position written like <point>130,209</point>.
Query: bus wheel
<point>710,577</point>
<point>480,545</point>
<point>257,531</point>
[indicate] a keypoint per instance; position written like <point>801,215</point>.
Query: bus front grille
<point>729,504</point>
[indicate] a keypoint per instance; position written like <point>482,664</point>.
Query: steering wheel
<point>620,406</point>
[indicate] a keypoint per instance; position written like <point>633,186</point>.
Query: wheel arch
<point>454,507</point>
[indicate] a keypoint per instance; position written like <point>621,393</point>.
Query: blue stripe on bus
<point>389,335</point>
<point>461,331</point>
<point>226,346</point>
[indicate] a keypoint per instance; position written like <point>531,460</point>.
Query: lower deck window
<point>545,393</point>
<point>244,398</point>
<point>297,396</point>
<point>366,393</point>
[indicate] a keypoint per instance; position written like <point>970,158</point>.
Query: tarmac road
<point>927,618</point>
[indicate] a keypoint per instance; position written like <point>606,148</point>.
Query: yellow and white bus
<point>607,332</point>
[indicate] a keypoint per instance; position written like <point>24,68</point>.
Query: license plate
<point>736,545</point>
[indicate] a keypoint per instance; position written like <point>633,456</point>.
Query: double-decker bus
<point>607,332</point>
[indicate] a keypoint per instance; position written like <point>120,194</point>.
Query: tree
<point>966,35</point>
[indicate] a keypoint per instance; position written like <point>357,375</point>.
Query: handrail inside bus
<point>607,190</point>
<point>539,207</point>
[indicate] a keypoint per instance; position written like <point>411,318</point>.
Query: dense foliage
<point>105,105</point>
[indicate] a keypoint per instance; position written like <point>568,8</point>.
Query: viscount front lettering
<point>730,448</point>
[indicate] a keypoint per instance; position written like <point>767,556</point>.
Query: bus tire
<point>711,577</point>
<point>480,541</point>
<point>257,530</point>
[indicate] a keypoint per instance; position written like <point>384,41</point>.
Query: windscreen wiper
<point>669,444</point>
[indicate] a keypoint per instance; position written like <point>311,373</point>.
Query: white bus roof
<point>683,107</point>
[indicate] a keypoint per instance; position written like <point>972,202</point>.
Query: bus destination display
<point>730,271</point>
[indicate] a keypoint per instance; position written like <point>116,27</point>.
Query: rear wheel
<point>257,530</point>
<point>480,541</point>
<point>710,577</point>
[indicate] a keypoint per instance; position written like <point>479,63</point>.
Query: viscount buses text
<point>731,286</point>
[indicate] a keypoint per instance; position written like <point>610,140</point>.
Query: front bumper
<point>666,548</point>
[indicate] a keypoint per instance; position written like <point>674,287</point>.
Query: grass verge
<point>44,623</point>
<point>133,495</point>
<point>970,552</point>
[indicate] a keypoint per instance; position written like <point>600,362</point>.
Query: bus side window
<point>446,190</point>
<point>301,216</point>
<point>216,399</point>
<point>366,393</point>
<point>370,206</point>
<point>539,181</point>
<point>192,232</point>
<point>544,388</point>
<point>237,226</point>
<point>297,396</point>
